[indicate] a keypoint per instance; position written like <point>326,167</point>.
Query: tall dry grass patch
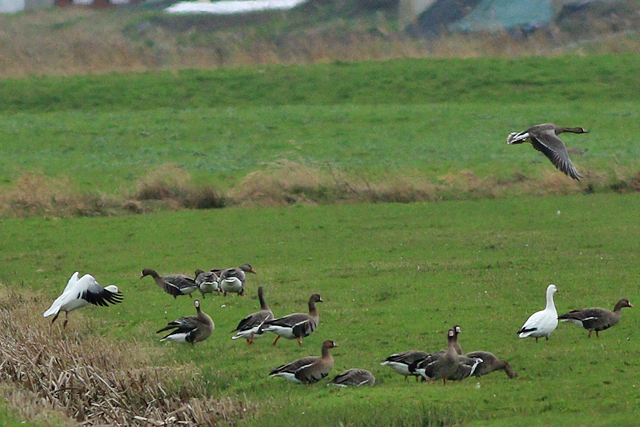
<point>175,186</point>
<point>77,377</point>
<point>35,194</point>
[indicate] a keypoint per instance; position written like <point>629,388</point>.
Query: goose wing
<point>293,367</point>
<point>551,146</point>
<point>253,320</point>
<point>92,292</point>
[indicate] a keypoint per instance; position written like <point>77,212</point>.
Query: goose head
<point>148,272</point>
<point>247,268</point>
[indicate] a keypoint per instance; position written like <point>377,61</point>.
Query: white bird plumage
<point>544,322</point>
<point>81,292</point>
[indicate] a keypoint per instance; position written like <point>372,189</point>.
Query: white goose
<point>542,323</point>
<point>81,292</point>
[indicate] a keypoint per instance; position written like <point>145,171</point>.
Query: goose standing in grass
<point>450,364</point>
<point>234,279</point>
<point>490,362</point>
<point>544,138</point>
<point>308,370</point>
<point>596,319</point>
<point>542,323</point>
<point>80,293</point>
<point>296,325</point>
<point>174,284</point>
<point>400,362</point>
<point>405,362</point>
<point>207,282</point>
<point>354,377</point>
<point>191,329</point>
<point>251,326</point>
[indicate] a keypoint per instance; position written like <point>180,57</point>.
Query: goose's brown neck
<point>263,303</point>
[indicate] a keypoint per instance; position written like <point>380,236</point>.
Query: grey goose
<point>444,365</point>
<point>354,377</point>
<point>191,329</point>
<point>490,363</point>
<point>596,319</point>
<point>308,370</point>
<point>251,326</point>
<point>173,284</point>
<point>405,362</point>
<point>296,325</point>
<point>234,279</point>
<point>207,282</point>
<point>544,138</point>
<point>81,292</point>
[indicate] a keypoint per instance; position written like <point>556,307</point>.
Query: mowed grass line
<point>110,153</point>
<point>406,81</point>
<point>394,277</point>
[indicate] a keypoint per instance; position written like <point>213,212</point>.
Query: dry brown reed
<point>79,377</point>
<point>286,182</point>
<point>35,194</point>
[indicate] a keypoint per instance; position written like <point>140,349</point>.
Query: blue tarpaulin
<point>493,15</point>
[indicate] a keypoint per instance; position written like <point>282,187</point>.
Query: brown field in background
<point>80,41</point>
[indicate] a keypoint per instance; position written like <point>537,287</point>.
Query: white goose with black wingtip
<point>81,292</point>
<point>544,322</point>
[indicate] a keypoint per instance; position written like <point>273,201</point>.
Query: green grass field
<point>393,276</point>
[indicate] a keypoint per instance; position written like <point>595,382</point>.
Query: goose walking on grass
<point>174,284</point>
<point>404,362</point>
<point>447,365</point>
<point>490,363</point>
<point>354,377</point>
<point>207,282</point>
<point>80,293</point>
<point>296,325</point>
<point>234,279</point>
<point>544,138</point>
<point>542,323</point>
<point>308,370</point>
<point>596,319</point>
<point>191,329</point>
<point>251,326</point>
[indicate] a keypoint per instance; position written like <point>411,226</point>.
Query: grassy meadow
<point>393,277</point>
<point>301,158</point>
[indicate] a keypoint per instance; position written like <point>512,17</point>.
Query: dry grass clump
<point>87,379</point>
<point>174,185</point>
<point>35,194</point>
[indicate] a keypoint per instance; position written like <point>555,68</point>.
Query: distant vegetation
<point>143,38</point>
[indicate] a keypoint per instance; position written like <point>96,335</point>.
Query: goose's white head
<point>551,289</point>
<point>113,289</point>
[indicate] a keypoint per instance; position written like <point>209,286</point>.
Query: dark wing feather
<point>294,366</point>
<point>102,297</point>
<point>555,150</point>
<point>253,320</point>
<point>304,328</point>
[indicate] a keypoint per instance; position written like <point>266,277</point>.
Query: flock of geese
<point>447,364</point>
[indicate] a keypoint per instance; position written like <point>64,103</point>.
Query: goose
<point>234,279</point>
<point>490,362</point>
<point>401,362</point>
<point>251,326</point>
<point>596,319</point>
<point>448,364</point>
<point>354,377</point>
<point>191,329</point>
<point>544,138</point>
<point>207,282</point>
<point>308,370</point>
<point>542,323</point>
<point>81,292</point>
<point>174,284</point>
<point>296,325</point>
